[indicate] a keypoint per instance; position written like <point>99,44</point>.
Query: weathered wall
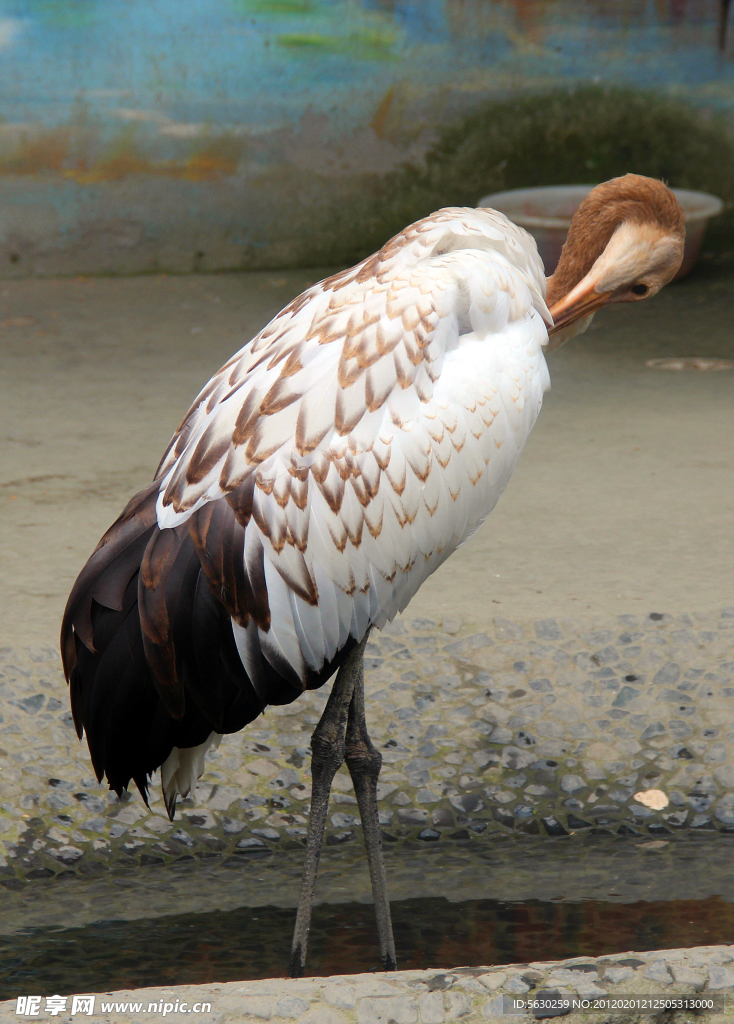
<point>180,134</point>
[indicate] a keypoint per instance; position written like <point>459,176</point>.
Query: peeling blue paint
<point>128,91</point>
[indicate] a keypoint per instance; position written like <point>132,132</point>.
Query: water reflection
<point>253,943</point>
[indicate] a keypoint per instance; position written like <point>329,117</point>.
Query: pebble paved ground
<point>702,975</point>
<point>543,729</point>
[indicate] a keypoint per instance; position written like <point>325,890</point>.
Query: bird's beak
<point>581,302</point>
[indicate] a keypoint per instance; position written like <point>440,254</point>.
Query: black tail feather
<point>148,644</point>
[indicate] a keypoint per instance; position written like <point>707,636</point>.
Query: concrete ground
<point>669,985</point>
<point>621,503</point>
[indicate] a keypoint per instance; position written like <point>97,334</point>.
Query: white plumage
<point>378,418</point>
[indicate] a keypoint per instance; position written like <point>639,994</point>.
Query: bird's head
<point>624,243</point>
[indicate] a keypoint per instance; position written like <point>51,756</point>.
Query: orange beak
<point>581,301</point>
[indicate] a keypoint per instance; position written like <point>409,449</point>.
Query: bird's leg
<point>327,756</point>
<point>364,763</point>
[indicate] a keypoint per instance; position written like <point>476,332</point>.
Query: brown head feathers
<point>631,199</point>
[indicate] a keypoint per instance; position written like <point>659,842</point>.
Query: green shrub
<point>565,136</point>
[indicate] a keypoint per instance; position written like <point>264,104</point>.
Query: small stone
<point>436,731</point>
<point>725,776</point>
<point>720,977</point>
<point>158,825</point>
<point>654,729</point>
<point>516,759</point>
<point>343,820</point>
<point>67,854</point>
<point>451,625</point>
<point>548,629</point>
<point>262,768</point>
<point>655,799</point>
<point>431,1008</point>
<point>618,975</point>
<point>667,676</point>
<point>506,630</point>
<point>179,836</point>
<point>516,986</point>
<point>290,1006</point>
<point>454,758</point>
<point>251,844</point>
<point>479,640</point>
<point>223,797</point>
<point>31,705</point>
<point>457,1004</point>
<point>200,819</point>
<point>685,975</point>
<point>129,815</point>
<point>572,784</point>
<point>535,790</point>
<point>494,1008</point>
<point>575,823</point>
<point>231,826</point>
<point>267,833</point>
<point>625,695</point>
<point>469,803</point>
<point>589,990</point>
<point>658,971</point>
<point>724,810</point>
<point>492,981</point>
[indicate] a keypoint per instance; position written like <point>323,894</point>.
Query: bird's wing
<point>340,456</point>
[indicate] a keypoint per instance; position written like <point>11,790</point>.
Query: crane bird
<point>320,477</point>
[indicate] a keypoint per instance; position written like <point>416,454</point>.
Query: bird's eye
<point>639,289</point>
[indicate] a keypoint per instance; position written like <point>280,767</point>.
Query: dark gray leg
<point>364,763</point>
<point>327,756</point>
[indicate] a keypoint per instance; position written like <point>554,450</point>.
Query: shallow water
<point>254,942</point>
<point>231,919</point>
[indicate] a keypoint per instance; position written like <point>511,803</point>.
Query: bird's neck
<point>588,237</point>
